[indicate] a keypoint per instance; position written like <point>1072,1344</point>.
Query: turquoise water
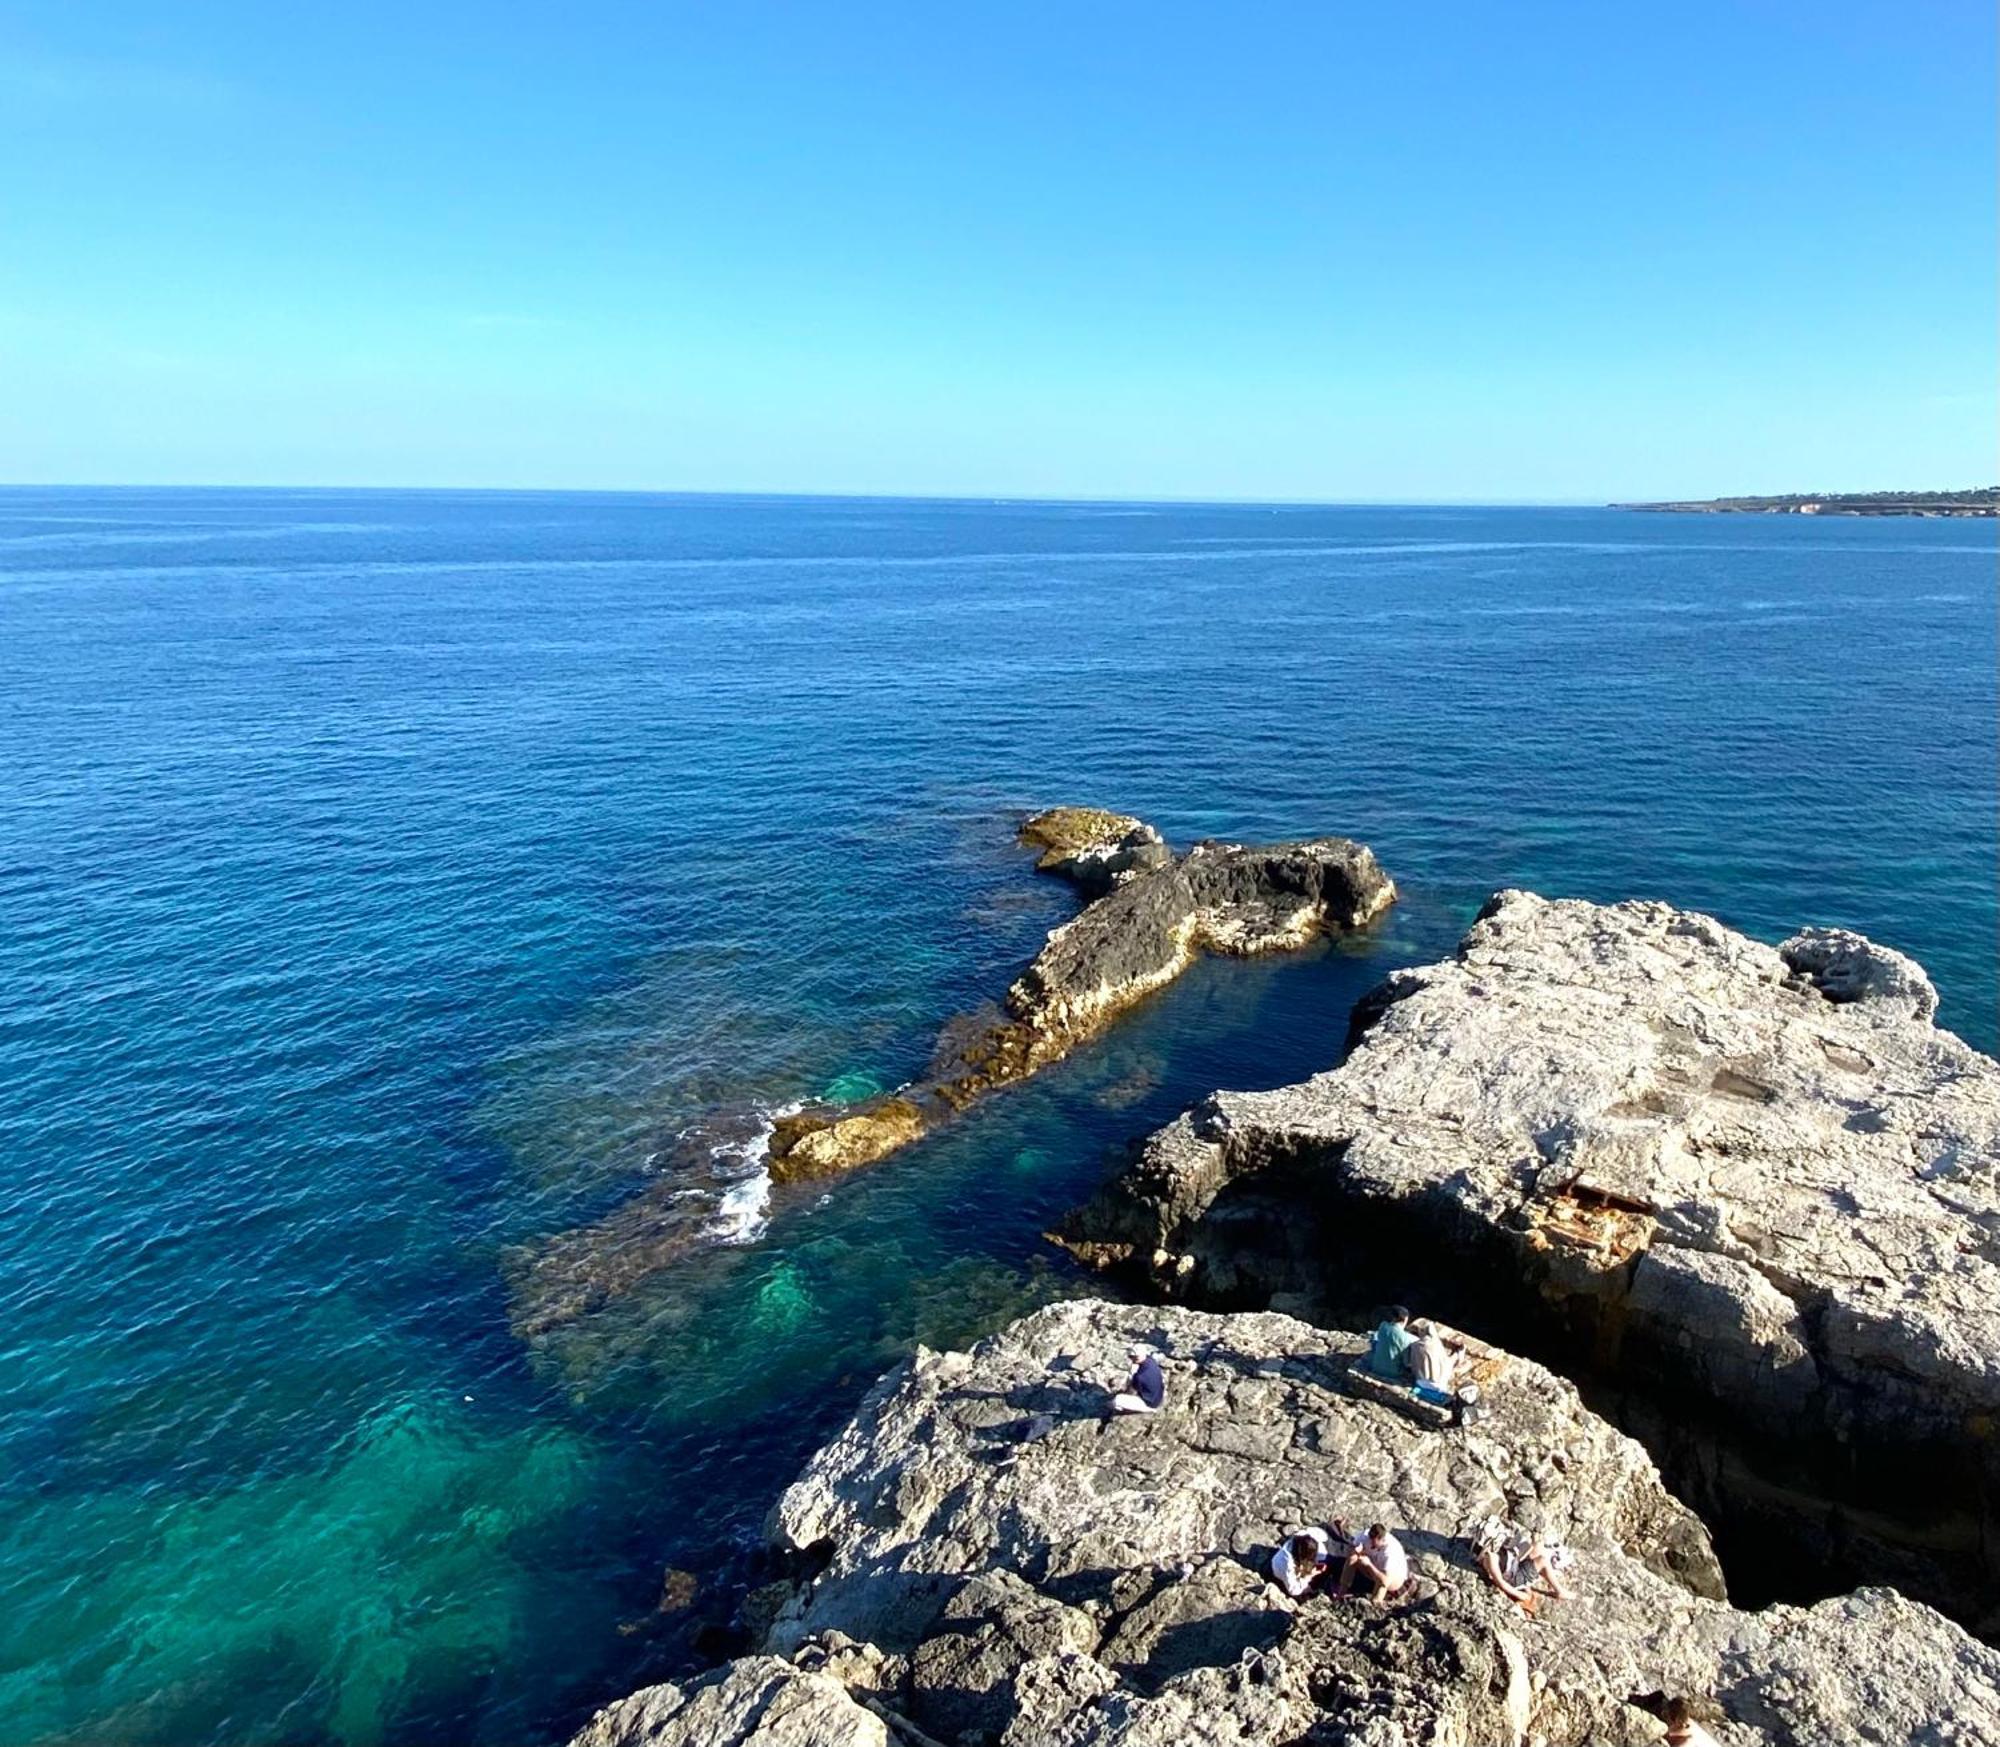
<point>391,883</point>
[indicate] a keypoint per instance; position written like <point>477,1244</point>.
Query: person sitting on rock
<point>1145,1390</point>
<point>1392,1340</point>
<point>1301,1561</point>
<point>1514,1560</point>
<point>1376,1558</point>
<point>1429,1359</point>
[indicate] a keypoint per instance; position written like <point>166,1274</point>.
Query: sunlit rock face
<point>991,1560</point>
<point>1149,916</point>
<point>1750,1192</point>
<point>1093,849</point>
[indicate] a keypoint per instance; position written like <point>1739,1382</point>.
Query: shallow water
<point>389,881</point>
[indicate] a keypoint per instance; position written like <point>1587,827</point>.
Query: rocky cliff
<point>1149,915</point>
<point>1749,1195</point>
<point>989,1560</point>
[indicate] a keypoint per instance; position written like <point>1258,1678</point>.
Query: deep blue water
<point>392,881</point>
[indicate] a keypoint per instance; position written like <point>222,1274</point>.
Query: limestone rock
<point>1149,916</point>
<point>1219,898</point>
<point>1093,849</point>
<point>757,1702</point>
<point>820,1144</point>
<point>1751,1185</point>
<point>1849,967</point>
<point>997,1563</point>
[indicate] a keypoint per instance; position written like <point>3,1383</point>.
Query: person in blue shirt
<point>1146,1389</point>
<point>1392,1340</point>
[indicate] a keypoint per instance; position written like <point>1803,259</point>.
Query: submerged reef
<point>1149,915</point>
<point>981,1556</point>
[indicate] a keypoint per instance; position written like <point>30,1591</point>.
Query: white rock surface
<point>999,1563</point>
<point>1758,1179</point>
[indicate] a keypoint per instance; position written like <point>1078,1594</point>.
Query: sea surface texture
<point>399,890</point>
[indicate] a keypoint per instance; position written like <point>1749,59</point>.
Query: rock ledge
<point>1747,1189</point>
<point>997,1564</point>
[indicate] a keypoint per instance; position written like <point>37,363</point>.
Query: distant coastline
<point>1983,500</point>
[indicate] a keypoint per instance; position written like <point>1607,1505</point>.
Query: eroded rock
<point>999,1564</point>
<point>824,1143</point>
<point>1091,848</point>
<point>1726,1183</point>
<point>1149,917</point>
<point>760,1701</point>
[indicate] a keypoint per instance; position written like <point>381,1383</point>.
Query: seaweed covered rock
<point>1093,849</point>
<point>822,1143</point>
<point>1150,915</point>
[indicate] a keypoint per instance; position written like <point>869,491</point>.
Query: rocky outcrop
<point>1093,849</point>
<point>760,1700</point>
<point>809,1145</point>
<point>1749,1195</point>
<point>1149,916</point>
<point>998,1563</point>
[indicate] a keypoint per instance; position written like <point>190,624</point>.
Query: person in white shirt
<point>1377,1558</point>
<point>1300,1562</point>
<point>1518,1562</point>
<point>1429,1359</point>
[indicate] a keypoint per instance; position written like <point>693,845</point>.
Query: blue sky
<point>1451,252</point>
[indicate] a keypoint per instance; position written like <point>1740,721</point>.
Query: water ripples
<point>394,883</point>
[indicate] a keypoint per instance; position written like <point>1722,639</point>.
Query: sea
<point>415,905</point>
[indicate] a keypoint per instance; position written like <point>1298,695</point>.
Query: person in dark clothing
<point>1145,1390</point>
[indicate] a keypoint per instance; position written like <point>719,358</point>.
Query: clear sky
<point>1460,250</point>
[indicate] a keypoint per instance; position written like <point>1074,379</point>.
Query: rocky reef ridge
<point>1749,1195</point>
<point>985,1559</point>
<point>1149,915</point>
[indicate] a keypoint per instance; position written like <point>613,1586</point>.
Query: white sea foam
<point>742,1214</point>
<point>741,1217</point>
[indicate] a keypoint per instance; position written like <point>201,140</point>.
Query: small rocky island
<point>1149,915</point>
<point>1983,500</point>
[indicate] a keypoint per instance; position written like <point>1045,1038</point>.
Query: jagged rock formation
<point>998,1564</point>
<point>1149,917</point>
<point>1750,1195</point>
<point>1092,848</point>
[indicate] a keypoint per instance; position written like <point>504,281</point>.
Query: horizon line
<point>774,493</point>
<point>975,497</point>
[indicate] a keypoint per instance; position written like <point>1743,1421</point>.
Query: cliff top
<point>997,1562</point>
